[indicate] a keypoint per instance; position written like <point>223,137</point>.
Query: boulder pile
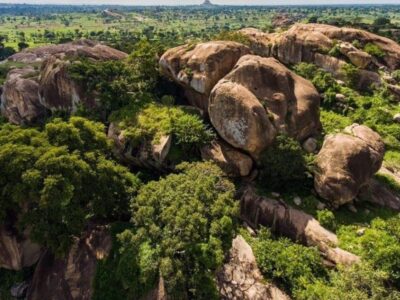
<point>314,43</point>
<point>44,84</point>
<point>249,99</point>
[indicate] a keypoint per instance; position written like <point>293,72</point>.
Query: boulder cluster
<point>249,99</point>
<point>43,83</point>
<point>313,43</point>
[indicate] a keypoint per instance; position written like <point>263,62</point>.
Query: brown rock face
<point>240,277</point>
<point>71,277</point>
<point>292,223</point>
<point>233,162</point>
<point>303,41</point>
<point>17,252</point>
<point>147,154</point>
<point>346,162</point>
<point>27,93</point>
<point>259,99</point>
<point>84,48</point>
<point>199,68</point>
<point>57,90</point>
<point>20,100</point>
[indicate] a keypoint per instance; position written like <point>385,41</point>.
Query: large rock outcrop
<point>240,278</point>
<point>346,162</point>
<point>80,48</point>
<point>303,41</point>
<point>260,98</point>
<point>20,99</point>
<point>17,251</point>
<point>198,68</point>
<point>44,84</point>
<point>292,223</point>
<point>71,277</point>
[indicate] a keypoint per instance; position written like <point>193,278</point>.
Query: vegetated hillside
<point>250,165</point>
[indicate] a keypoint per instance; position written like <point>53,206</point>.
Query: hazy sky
<point>186,2</point>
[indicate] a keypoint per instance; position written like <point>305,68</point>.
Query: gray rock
<point>310,145</point>
<point>340,97</point>
<point>297,200</point>
<point>19,290</point>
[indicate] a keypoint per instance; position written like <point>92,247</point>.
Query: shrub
<point>351,74</point>
<point>155,120</point>
<point>358,282</point>
<point>327,219</point>
<point>233,36</point>
<point>322,80</point>
<point>374,50</point>
<point>379,245</point>
<point>291,264</point>
<point>335,51</point>
<point>184,224</point>
<point>396,75</point>
<point>283,164</point>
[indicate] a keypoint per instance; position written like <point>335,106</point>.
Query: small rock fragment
<point>297,200</point>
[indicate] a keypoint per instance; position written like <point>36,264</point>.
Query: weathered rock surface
<point>233,162</point>
<point>71,277</point>
<point>17,251</point>
<point>20,99</point>
<point>57,91</point>
<point>199,68</point>
<point>379,194</point>
<point>358,57</point>
<point>292,223</point>
<point>346,162</point>
<point>150,154</point>
<point>80,48</point>
<point>259,99</point>
<point>240,277</point>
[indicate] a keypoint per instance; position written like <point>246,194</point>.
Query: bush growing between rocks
<point>153,121</point>
<point>233,36</point>
<point>327,219</point>
<point>351,75</point>
<point>374,50</point>
<point>358,282</point>
<point>291,264</point>
<point>283,165</point>
<point>379,245</point>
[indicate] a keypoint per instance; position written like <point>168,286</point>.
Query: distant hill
<point>207,3</point>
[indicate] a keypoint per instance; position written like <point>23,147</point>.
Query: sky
<point>188,2</point>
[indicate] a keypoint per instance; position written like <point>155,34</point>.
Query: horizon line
<point>221,5</point>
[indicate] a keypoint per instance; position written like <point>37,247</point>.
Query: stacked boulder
<point>249,99</point>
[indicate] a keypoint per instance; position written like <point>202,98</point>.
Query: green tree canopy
<point>59,178</point>
<point>184,224</point>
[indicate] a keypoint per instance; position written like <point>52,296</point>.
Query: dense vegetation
<point>182,226</point>
<point>58,177</point>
